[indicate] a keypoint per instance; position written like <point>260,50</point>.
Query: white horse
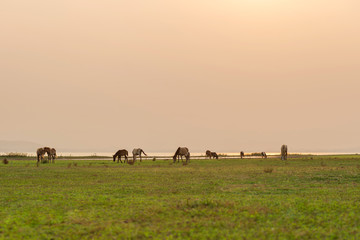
<point>284,152</point>
<point>137,152</point>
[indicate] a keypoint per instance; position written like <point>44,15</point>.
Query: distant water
<point>109,154</point>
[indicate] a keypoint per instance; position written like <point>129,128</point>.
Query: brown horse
<point>119,154</point>
<point>48,151</point>
<point>284,152</point>
<point>242,154</point>
<point>263,155</point>
<point>214,155</point>
<point>208,154</point>
<point>52,154</point>
<point>182,151</point>
<point>40,152</point>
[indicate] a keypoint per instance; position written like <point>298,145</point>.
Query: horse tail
<point>143,152</point>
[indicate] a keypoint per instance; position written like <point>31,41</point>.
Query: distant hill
<point>18,146</point>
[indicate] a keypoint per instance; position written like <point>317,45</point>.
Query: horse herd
<point>180,153</point>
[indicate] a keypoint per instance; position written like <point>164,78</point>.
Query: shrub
<point>5,161</point>
<point>258,154</point>
<point>13,154</point>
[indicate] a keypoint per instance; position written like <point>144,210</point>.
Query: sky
<point>229,75</point>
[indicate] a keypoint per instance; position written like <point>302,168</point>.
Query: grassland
<point>305,198</point>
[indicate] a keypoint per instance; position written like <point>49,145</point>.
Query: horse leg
<point>140,158</point>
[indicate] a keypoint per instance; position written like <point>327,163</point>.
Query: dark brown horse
<point>242,154</point>
<point>214,155</point>
<point>119,154</point>
<point>182,151</point>
<point>208,154</point>
<point>263,155</point>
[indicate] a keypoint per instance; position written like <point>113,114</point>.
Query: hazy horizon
<point>223,75</point>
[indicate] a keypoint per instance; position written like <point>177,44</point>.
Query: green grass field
<point>305,198</point>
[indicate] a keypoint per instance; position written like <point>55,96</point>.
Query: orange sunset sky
<point>225,75</point>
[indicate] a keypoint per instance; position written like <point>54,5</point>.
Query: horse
<point>284,152</point>
<point>182,151</point>
<point>53,154</point>
<point>119,154</point>
<point>263,155</point>
<point>242,154</point>
<point>137,152</point>
<point>48,150</point>
<point>40,152</point>
<point>208,154</point>
<point>214,155</point>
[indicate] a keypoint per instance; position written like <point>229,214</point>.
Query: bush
<point>256,154</point>
<point>13,154</point>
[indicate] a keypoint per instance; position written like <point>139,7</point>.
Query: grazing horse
<point>284,152</point>
<point>40,152</point>
<point>48,151</point>
<point>263,155</point>
<point>208,154</point>
<point>182,151</point>
<point>242,154</point>
<point>52,154</point>
<point>214,155</point>
<point>137,152</point>
<point>119,154</point>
